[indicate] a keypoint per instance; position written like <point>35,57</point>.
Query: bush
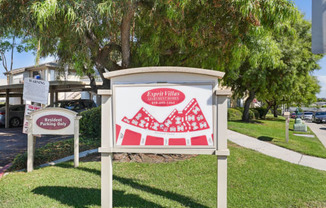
<point>262,111</point>
<point>90,123</point>
<point>255,113</point>
<point>234,114</point>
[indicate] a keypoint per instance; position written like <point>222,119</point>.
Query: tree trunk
<point>270,105</point>
<point>125,33</point>
<point>246,115</point>
<point>275,110</point>
<point>12,52</point>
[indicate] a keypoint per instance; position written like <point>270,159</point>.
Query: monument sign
<point>168,110</point>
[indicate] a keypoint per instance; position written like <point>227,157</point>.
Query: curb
<point>65,159</point>
<point>3,170</point>
<point>68,158</point>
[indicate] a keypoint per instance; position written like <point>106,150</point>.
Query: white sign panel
<point>54,121</point>
<point>165,116</point>
<point>36,90</point>
<point>28,110</point>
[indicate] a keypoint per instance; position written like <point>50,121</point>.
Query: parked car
<point>293,115</point>
<point>16,115</point>
<point>75,105</point>
<point>307,115</point>
<point>319,117</point>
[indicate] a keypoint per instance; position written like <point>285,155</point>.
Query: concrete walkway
<point>276,151</point>
<point>319,130</point>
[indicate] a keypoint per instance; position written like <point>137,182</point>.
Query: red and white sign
<point>177,115</point>
<point>28,110</point>
<point>53,122</point>
<point>163,97</point>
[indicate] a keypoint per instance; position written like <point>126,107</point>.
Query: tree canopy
<point>99,34</point>
<point>263,46</point>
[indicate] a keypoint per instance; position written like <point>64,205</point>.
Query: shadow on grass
<point>265,138</point>
<point>276,119</point>
<point>85,197</point>
<point>251,121</point>
<point>184,200</point>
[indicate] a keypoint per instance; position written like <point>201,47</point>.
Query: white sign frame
<point>167,75</point>
<point>210,112</point>
<point>52,113</point>
<point>35,85</point>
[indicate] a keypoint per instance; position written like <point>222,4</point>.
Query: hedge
<point>234,114</point>
<point>254,113</point>
<point>90,123</point>
<point>262,111</point>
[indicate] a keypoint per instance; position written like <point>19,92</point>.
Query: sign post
<point>167,110</point>
<point>287,122</point>
<point>52,121</point>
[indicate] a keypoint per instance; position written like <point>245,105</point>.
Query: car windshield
<point>308,113</point>
<point>320,113</point>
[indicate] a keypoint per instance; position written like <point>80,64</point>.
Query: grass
<point>254,180</point>
<point>54,151</point>
<point>273,130</point>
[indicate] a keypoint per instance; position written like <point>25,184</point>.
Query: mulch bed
<point>146,158</point>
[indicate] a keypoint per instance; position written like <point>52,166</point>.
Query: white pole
<point>30,147</point>
<point>221,145</point>
<point>106,157</point>
<point>76,142</point>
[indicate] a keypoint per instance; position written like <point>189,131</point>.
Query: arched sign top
<point>63,110</point>
<point>159,69</point>
<point>53,121</point>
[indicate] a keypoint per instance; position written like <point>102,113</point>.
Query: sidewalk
<point>276,151</point>
<point>319,130</point>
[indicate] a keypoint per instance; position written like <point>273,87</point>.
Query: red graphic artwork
<point>190,120</point>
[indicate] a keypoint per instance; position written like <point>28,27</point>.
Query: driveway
<point>319,130</point>
<point>13,142</point>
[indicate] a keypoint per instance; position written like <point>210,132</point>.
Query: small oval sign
<point>163,97</point>
<point>53,122</point>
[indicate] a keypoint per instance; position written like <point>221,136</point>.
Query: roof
<point>59,86</point>
<point>31,68</point>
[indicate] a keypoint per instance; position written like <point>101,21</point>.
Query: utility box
<point>299,125</point>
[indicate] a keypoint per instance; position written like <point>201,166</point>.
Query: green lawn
<point>54,151</point>
<point>274,131</point>
<point>254,180</point>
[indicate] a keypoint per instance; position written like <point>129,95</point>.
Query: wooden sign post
<point>287,122</point>
<point>166,110</point>
<point>52,121</point>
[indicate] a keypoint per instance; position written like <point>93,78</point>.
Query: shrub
<point>234,114</point>
<point>262,111</point>
<point>255,113</point>
<point>90,123</point>
<point>53,151</point>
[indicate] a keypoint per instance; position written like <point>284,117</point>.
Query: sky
<point>28,59</point>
